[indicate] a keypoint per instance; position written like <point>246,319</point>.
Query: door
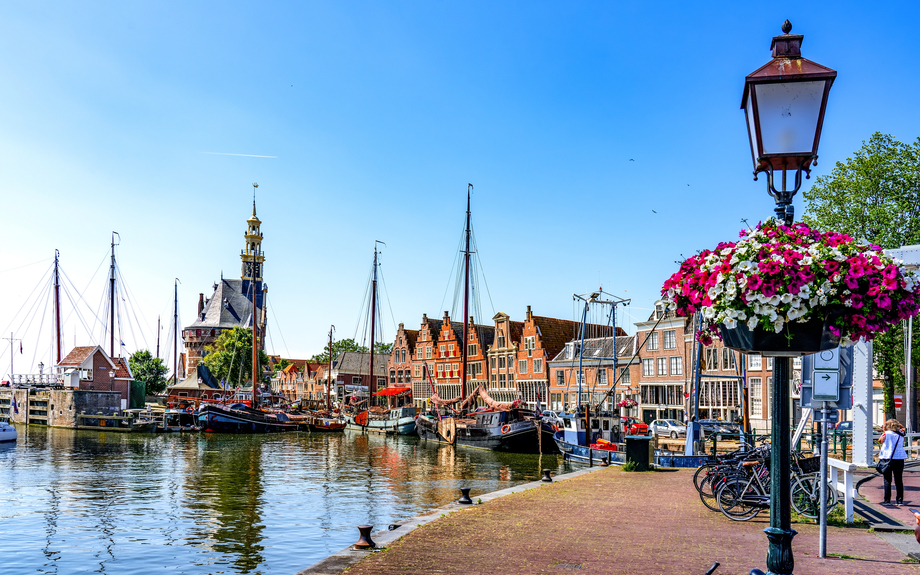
<point>648,415</point>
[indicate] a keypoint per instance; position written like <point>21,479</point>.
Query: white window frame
<point>670,339</point>
<point>648,367</point>
<point>676,365</point>
<point>661,366</point>
<point>522,366</point>
<point>652,343</point>
<point>755,361</point>
<point>538,366</point>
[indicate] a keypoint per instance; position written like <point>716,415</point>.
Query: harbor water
<point>188,503</point>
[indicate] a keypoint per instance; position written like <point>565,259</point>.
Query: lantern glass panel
<point>752,129</point>
<point>789,116</point>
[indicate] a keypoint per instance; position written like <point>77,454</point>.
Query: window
<point>529,345</point>
<point>501,362</point>
<point>538,366</point>
<point>442,351</point>
<point>624,376</point>
<point>711,361</point>
<point>428,352</point>
<point>522,366</point>
<point>501,380</point>
<point>501,341</point>
<point>755,397</point>
<point>670,339</point>
<point>755,361</point>
<point>769,395</point>
<point>440,370</point>
<point>418,371</point>
<point>560,378</point>
<point>471,350</point>
<point>457,367</point>
<point>652,343</point>
<point>648,367</point>
<point>770,363</point>
<point>602,377</point>
<point>662,366</point>
<point>492,362</point>
<point>450,350</point>
<point>356,380</point>
<point>677,365</point>
<point>728,359</point>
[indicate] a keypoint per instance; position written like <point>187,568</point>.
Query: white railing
<point>834,467</point>
<point>37,379</point>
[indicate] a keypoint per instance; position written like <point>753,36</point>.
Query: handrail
<point>846,486</point>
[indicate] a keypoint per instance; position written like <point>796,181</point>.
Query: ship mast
<point>329,373</point>
<point>176,330</point>
<point>112,300</point>
<point>466,296</point>
<point>255,343</point>
<point>58,343</point>
<point>372,387</point>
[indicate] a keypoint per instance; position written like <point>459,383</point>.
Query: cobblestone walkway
<point>613,522</point>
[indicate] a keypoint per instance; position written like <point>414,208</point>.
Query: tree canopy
<point>875,196</point>
<point>149,369</point>
<point>349,344</point>
<point>230,357</point>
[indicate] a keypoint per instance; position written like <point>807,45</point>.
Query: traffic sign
<point>826,386</point>
<point>898,402</point>
<point>827,359</point>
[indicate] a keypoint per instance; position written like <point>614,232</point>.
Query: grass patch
<point>844,556</point>
<point>909,560</point>
<point>836,518</point>
<point>630,466</point>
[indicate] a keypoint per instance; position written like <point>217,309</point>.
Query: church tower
<point>253,259</point>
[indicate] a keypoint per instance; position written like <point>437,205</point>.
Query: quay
<point>607,521</point>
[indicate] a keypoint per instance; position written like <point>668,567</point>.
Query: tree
<point>283,363</point>
<point>338,347</point>
<point>383,348</point>
<point>149,369</point>
<point>875,196</point>
<point>230,357</point>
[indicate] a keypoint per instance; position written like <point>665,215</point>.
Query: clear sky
<point>604,139</point>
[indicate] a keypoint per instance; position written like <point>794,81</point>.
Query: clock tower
<point>253,259</point>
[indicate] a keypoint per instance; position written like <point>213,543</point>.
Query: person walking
<point>892,441</point>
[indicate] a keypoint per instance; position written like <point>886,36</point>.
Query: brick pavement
<point>873,491</point>
<point>613,522</point>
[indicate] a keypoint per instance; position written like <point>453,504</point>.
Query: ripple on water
<point>206,504</point>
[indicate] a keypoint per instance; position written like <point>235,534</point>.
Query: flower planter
<point>796,339</point>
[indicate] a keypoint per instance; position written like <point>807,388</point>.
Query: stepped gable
<point>227,307</point>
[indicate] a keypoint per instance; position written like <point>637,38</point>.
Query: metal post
<point>822,546</point>
<point>780,560</point>
<point>862,404</point>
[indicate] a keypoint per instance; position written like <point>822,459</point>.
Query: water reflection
<point>189,503</point>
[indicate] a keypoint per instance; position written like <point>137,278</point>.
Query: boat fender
<point>506,428</point>
<point>190,410</point>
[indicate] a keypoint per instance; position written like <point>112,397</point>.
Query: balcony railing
<point>37,379</point>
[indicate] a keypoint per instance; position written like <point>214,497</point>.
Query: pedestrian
<point>892,441</point>
<point>917,528</point>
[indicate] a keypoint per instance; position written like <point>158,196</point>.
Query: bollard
<point>465,496</point>
<point>365,541</point>
<point>546,477</point>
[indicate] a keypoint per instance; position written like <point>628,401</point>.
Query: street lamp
<point>784,102</point>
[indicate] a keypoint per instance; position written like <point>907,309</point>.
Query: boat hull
<point>521,437</point>
<point>216,419</point>
<point>399,426</point>
<point>7,433</point>
<point>585,454</point>
<point>326,425</point>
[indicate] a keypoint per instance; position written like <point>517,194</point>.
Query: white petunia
<point>752,322</point>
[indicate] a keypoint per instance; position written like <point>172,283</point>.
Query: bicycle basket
<point>810,464</point>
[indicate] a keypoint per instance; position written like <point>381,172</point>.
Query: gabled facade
<point>666,366</point>
<point>351,371</point>
<point>91,368</point>
<point>424,354</point>
<point>401,358</point>
<point>597,375</point>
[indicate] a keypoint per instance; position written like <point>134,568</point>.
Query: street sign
<point>898,401</point>
<point>833,416</point>
<point>827,359</point>
<point>826,386</point>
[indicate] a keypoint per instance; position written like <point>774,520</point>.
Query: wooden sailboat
<point>505,426</point>
<point>327,421</point>
<point>395,420</point>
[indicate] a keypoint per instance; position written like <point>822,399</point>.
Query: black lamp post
<point>784,102</point>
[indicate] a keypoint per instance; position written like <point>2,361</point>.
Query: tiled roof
<point>359,363</point>
<point>555,333</point>
<point>78,355</point>
<point>122,370</point>
<point>598,347</point>
<point>411,337</point>
<point>236,313</point>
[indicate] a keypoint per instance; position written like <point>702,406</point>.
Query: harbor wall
<point>55,407</point>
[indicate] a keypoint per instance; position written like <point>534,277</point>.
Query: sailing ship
<point>590,435</point>
<point>327,420</point>
<point>500,426</point>
<point>393,419</point>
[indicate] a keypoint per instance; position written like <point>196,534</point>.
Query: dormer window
<point>226,303</point>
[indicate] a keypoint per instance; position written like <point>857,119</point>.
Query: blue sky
<point>377,115</point>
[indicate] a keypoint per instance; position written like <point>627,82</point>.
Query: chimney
<point>200,303</point>
<point>529,314</point>
<point>446,316</point>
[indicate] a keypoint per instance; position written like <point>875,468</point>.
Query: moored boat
<point>7,432</point>
<point>600,443</point>
<point>514,430</point>
<point>396,421</point>
<point>239,418</point>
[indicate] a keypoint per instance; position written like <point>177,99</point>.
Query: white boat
<point>7,432</point>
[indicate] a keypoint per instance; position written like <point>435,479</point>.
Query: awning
<point>393,390</point>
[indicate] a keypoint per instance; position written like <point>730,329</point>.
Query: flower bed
<point>777,275</point>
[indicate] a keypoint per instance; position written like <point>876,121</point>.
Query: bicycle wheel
<point>708,489</point>
<point>806,495</point>
<point>732,502</point>
<point>700,474</point>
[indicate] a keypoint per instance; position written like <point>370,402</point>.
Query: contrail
<point>244,155</point>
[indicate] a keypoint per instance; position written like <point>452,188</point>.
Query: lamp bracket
<point>784,209</point>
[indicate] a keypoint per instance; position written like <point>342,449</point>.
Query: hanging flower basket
<point>787,290</point>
